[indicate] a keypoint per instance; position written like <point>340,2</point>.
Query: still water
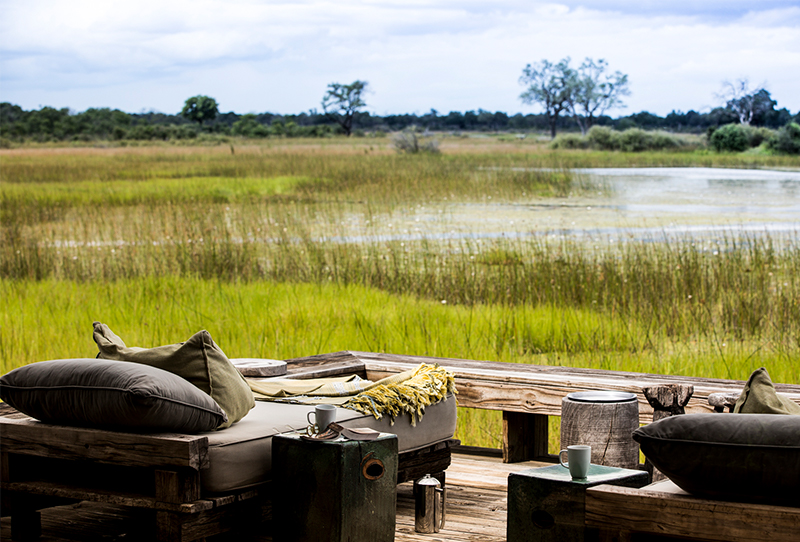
<point>645,203</point>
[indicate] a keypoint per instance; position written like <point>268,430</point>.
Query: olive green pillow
<point>107,394</point>
<point>199,360</point>
<point>759,397</point>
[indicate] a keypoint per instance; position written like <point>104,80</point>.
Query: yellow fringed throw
<point>407,392</point>
<point>428,384</point>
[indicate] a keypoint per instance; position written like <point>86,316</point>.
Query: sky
<point>257,56</point>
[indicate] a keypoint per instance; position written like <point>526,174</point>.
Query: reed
<point>298,249</point>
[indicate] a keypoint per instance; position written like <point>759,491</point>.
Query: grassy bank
<point>304,248</point>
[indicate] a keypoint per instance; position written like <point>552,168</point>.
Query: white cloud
<point>449,55</point>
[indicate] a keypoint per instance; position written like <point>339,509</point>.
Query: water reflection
<point>646,203</point>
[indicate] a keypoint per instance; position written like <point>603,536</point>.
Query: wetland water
<point>643,203</point>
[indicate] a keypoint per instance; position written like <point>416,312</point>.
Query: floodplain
<point>494,249</point>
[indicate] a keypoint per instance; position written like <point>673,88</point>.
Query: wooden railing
<point>526,394</point>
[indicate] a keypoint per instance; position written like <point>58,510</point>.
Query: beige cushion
<point>199,360</point>
<point>242,455</point>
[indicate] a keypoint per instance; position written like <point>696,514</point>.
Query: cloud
<point>447,54</point>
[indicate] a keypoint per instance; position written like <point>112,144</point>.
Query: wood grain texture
<point>30,437</point>
<point>538,389</point>
<point>606,427</point>
<point>675,513</point>
<point>525,436</point>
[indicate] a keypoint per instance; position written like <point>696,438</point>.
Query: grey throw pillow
<point>110,395</point>
<point>736,456</point>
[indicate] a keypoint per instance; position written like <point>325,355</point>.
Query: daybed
<point>190,484</point>
<point>195,485</point>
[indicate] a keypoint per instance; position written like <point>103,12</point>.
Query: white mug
<point>324,415</point>
<point>579,456</point>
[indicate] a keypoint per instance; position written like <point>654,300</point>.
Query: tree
<point>550,85</point>
<point>743,101</point>
<point>593,92</point>
<point>341,102</point>
<point>200,109</point>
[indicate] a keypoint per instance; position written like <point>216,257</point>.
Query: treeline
<point>50,124</point>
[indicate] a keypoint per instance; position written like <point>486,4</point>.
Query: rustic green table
<point>547,505</point>
<point>334,490</point>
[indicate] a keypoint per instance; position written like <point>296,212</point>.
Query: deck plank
<point>476,511</point>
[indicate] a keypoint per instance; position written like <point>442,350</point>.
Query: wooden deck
<point>476,511</point>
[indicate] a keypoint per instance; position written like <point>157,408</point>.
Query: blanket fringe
<point>429,384</point>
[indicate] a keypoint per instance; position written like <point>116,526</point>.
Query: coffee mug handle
<point>308,417</point>
<point>561,453</point>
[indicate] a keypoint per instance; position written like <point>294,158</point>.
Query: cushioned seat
<point>240,455</point>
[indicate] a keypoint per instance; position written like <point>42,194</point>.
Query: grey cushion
<point>242,455</point>
<point>738,456</point>
<point>110,394</point>
<point>199,360</point>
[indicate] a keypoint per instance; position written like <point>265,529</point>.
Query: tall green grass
<point>283,252</point>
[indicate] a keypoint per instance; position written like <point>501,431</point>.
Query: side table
<point>334,490</point>
<point>546,505</point>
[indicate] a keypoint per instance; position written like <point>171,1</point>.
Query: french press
<point>429,510</point>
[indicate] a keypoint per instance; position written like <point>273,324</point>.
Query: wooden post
<point>525,436</point>
<point>667,400</point>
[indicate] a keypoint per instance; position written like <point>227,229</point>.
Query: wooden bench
<point>666,510</point>
<point>528,394</point>
<point>43,465</point>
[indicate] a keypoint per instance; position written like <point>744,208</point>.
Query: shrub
<point>603,138</point>
<point>757,136</point>
<point>569,141</point>
<point>730,138</point>
<point>409,142</point>
<point>634,140</point>
<point>787,140</point>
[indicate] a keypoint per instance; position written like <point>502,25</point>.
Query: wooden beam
<point>672,512</point>
<point>30,437</point>
<point>524,436</point>
<point>538,389</point>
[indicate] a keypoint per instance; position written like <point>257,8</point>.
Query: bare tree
<point>550,85</point>
<point>341,102</point>
<point>743,101</point>
<point>594,92</point>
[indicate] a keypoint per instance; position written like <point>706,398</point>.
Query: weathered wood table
<point>665,509</point>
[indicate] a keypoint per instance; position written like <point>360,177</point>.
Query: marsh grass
<point>284,252</point>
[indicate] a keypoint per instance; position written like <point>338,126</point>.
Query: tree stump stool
<point>605,421</point>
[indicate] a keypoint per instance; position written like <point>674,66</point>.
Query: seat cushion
<point>107,394</point>
<point>735,456</point>
<point>199,360</point>
<point>241,455</point>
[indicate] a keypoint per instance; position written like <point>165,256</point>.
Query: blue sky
<point>278,56</point>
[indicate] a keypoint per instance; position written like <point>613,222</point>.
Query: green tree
<point>745,102</point>
<point>341,102</point>
<point>550,85</point>
<point>200,109</point>
<point>593,92</point>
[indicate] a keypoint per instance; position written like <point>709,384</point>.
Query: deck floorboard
<point>476,511</point>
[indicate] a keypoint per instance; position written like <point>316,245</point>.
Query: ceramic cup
<point>579,457</point>
<point>324,415</point>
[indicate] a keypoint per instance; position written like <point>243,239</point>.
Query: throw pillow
<point>737,456</point>
<point>759,397</point>
<point>199,360</point>
<point>110,395</point>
